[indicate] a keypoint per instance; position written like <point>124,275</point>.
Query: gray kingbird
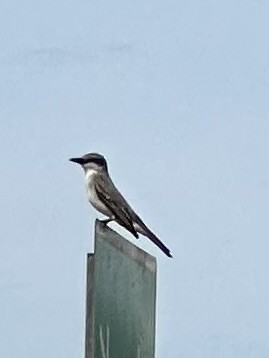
<point>105,198</point>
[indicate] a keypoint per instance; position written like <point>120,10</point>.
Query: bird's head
<point>92,161</point>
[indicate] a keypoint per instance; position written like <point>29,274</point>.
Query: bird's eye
<point>99,161</point>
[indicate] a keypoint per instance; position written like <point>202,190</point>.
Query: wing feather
<point>112,198</point>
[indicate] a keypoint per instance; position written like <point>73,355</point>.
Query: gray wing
<point>112,198</point>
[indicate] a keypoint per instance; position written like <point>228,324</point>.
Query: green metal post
<point>121,298</point>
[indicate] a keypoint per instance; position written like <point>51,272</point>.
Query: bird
<point>106,198</point>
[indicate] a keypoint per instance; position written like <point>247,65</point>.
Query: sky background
<point>175,95</point>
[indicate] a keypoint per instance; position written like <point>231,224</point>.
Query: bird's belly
<point>95,201</point>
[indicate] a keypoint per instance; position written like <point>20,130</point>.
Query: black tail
<point>158,242</point>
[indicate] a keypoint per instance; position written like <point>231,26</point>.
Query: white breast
<point>90,177</point>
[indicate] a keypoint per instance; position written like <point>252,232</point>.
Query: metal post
<point>121,298</point>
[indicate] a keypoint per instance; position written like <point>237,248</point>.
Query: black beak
<point>77,160</point>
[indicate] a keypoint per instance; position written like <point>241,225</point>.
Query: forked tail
<point>158,242</point>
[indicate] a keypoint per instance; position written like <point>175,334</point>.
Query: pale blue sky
<point>175,94</point>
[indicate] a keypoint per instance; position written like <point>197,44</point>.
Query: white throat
<point>89,174</point>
